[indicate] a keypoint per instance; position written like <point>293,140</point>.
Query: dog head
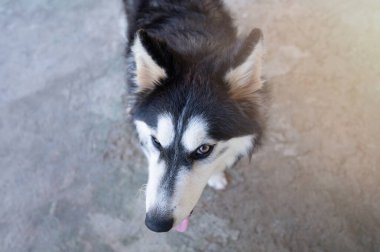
<point>194,115</point>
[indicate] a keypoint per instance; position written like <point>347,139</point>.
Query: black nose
<point>158,223</point>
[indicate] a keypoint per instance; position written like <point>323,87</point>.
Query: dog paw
<point>218,181</point>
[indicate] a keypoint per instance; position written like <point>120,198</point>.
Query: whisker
<point>141,191</point>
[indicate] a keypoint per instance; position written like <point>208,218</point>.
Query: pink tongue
<point>182,227</point>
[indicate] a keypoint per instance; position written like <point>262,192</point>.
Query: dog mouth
<point>182,227</point>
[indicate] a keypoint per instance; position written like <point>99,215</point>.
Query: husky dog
<point>195,96</point>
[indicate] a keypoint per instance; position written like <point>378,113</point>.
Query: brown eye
<point>203,151</point>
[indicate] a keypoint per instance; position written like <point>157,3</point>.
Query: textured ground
<point>70,175</point>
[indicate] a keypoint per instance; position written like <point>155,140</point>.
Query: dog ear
<point>244,75</point>
<point>149,57</point>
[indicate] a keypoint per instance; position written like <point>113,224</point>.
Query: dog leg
<point>218,181</point>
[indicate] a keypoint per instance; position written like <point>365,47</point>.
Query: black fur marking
<point>176,160</point>
<point>247,47</point>
<point>158,50</point>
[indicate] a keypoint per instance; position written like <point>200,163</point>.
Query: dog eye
<point>156,143</point>
<point>203,151</point>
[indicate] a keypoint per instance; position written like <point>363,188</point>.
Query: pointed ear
<point>148,55</point>
<point>244,76</point>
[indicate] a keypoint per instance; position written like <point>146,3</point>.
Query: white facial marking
<point>235,147</point>
<point>195,133</point>
<point>143,130</point>
<point>165,130</point>
<point>190,183</point>
<point>154,196</point>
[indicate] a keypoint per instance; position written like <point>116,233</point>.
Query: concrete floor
<point>70,174</point>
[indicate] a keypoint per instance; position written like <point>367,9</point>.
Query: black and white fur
<point>194,86</point>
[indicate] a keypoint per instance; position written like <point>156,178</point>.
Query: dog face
<point>193,116</point>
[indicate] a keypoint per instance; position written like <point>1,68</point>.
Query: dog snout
<point>158,222</point>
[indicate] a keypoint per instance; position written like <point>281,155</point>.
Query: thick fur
<point>192,82</point>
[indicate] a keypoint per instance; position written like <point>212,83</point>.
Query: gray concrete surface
<point>70,174</point>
